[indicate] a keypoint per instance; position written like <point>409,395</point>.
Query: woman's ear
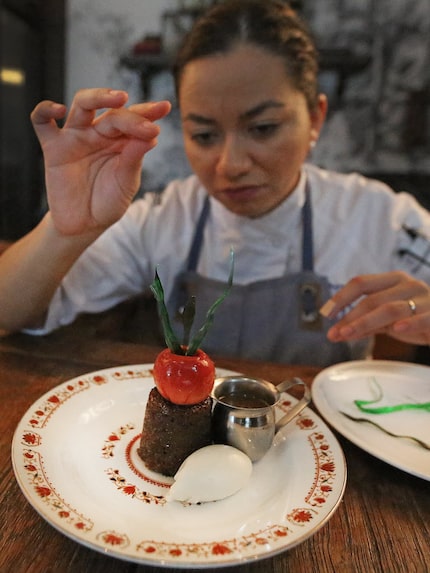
<point>318,117</point>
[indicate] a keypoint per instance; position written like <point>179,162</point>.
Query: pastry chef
<point>251,112</point>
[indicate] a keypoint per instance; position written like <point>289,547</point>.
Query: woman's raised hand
<point>93,163</point>
<point>393,303</point>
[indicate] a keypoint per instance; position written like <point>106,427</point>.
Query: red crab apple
<point>183,379</point>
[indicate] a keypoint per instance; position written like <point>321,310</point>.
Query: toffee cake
<point>171,432</point>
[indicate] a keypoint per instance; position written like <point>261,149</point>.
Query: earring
<point>312,143</point>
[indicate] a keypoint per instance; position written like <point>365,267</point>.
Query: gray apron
<point>275,319</point>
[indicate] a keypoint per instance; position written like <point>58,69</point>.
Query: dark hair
<point>269,24</point>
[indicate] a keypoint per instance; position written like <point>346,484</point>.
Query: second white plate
<point>333,387</point>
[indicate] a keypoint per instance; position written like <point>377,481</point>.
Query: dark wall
<point>32,50</point>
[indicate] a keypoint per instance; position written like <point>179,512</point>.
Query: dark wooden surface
<point>382,524</point>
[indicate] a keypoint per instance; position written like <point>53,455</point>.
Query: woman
<point>246,80</point>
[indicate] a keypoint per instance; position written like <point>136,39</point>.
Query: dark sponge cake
<point>172,432</point>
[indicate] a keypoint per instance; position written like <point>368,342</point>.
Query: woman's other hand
<point>393,303</point>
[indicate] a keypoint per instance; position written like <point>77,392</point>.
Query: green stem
<point>363,405</point>
<point>201,333</point>
<point>169,336</point>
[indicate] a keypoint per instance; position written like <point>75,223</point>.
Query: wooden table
<point>382,524</point>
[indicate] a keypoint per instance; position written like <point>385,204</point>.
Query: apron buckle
<point>310,295</point>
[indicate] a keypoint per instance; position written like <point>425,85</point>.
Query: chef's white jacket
<point>358,226</point>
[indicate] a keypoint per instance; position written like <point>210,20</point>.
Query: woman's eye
<point>264,129</point>
<point>204,138</point>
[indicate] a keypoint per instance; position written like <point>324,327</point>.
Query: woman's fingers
<point>363,321</point>
<point>418,325</point>
<point>44,118</point>
<point>152,110</point>
<point>130,131</point>
<point>82,111</point>
<point>130,125</point>
<point>86,103</point>
<point>359,286</point>
<point>135,121</point>
<point>386,299</point>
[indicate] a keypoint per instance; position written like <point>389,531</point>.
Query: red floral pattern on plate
<point>42,415</point>
<point>133,490</point>
<point>114,539</point>
<point>271,536</point>
<point>39,482</point>
<point>325,470</point>
<point>115,436</point>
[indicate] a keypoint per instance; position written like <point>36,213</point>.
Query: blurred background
<point>375,69</point>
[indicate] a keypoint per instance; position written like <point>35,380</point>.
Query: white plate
<point>334,385</point>
<point>74,457</point>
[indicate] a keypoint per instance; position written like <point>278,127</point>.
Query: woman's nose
<point>234,159</point>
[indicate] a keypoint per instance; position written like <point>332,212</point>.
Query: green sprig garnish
<point>187,316</point>
<point>169,335</point>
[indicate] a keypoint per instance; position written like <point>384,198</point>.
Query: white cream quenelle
<point>210,474</point>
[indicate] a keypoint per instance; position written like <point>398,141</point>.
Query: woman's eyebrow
<point>260,108</point>
<point>249,114</point>
<point>199,119</point>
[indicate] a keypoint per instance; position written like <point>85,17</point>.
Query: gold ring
<point>412,306</point>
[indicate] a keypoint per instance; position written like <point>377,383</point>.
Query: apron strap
<point>310,289</point>
<point>193,255</point>
<point>308,242</point>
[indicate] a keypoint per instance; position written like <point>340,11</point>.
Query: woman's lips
<point>244,193</point>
